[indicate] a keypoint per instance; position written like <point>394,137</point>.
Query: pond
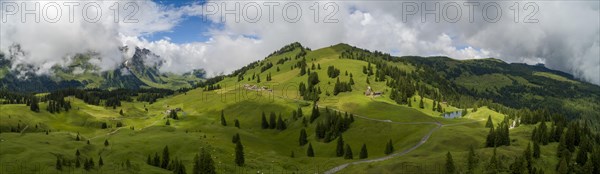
<point>456,114</point>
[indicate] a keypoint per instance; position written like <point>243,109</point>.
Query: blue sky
<point>190,29</point>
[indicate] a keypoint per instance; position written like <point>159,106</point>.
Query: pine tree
<point>265,124</point>
<point>299,112</point>
<point>493,165</point>
<point>536,150</point>
<point>33,105</point>
<point>106,142</point>
<point>237,123</point>
<point>315,113</point>
<point>204,163</point>
<point>239,154</point>
<point>148,160</point>
<point>235,138</point>
<point>389,147</point>
<point>582,157</point>
<point>165,158</point>
<point>518,166</point>
<point>450,168</point>
<point>472,161</point>
<point>490,141</point>
<point>310,152</point>
<point>179,168</point>
<point>302,140</point>
<point>58,165</point>
<point>543,133</point>
<point>363,152</point>
<point>595,160</point>
<point>77,163</point>
<point>489,123</point>
<point>280,124</point>
<point>527,154</point>
<point>563,166</point>
<point>339,151</point>
<point>348,154</point>
<point>272,121</point>
<point>156,160</point>
<point>223,121</point>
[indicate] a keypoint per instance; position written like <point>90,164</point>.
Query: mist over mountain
<point>140,70</point>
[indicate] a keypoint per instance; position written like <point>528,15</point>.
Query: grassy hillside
<point>422,133</point>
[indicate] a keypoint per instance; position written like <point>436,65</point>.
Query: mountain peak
<point>288,48</point>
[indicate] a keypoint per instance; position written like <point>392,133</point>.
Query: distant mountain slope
<point>515,85</point>
<point>142,70</point>
<point>513,88</point>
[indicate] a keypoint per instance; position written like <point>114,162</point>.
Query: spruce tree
<point>348,154</point>
<point>363,152</point>
<point>472,160</point>
<point>156,160</point>
<point>421,105</point>
<point>165,158</point>
<point>280,124</point>
<point>339,151</point>
<point>237,123</point>
<point>265,124</point>
<point>77,163</point>
<point>536,150</point>
<point>315,113</point>
<point>490,141</point>
<point>223,121</point>
<point>299,112</point>
<point>148,160</point>
<point>450,168</point>
<point>239,154</point>
<point>302,140</point>
<point>202,164</point>
<point>493,165</point>
<point>101,162</point>
<point>489,123</point>
<point>168,122</point>
<point>106,142</point>
<point>272,121</point>
<point>235,138</point>
<point>58,165</point>
<point>527,155</point>
<point>33,105</point>
<point>563,166</point>
<point>310,152</point>
<point>582,157</point>
<point>389,148</point>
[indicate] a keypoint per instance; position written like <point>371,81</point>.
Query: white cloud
<point>565,38</point>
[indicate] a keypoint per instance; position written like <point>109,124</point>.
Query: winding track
<point>423,141</point>
<point>342,166</point>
